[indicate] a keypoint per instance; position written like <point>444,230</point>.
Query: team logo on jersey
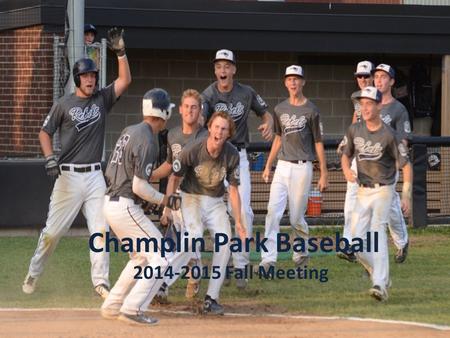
<point>176,165</point>
<point>235,111</point>
<point>237,173</point>
<point>176,150</point>
<point>407,127</point>
<point>118,149</point>
<point>85,117</point>
<point>367,151</point>
<point>148,169</point>
<point>387,119</point>
<point>209,177</point>
<point>46,120</point>
<point>261,101</point>
<point>292,124</point>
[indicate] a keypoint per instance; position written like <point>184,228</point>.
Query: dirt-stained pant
<point>371,214</point>
<point>291,181</point>
<point>74,191</point>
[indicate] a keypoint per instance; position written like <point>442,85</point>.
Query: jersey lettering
<point>85,117</point>
<point>387,119</point>
<point>176,150</point>
<point>367,151</point>
<point>118,150</point>
<point>292,124</point>
<point>236,112</point>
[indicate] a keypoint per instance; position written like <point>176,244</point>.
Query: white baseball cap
<point>370,93</point>
<point>364,68</point>
<point>294,70</point>
<point>385,68</point>
<point>225,54</point>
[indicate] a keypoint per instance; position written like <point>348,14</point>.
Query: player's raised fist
<point>115,41</point>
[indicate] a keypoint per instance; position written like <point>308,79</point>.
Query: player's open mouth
<point>223,77</point>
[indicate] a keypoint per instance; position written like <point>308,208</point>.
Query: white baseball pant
<point>74,191</point>
<point>130,295</point>
<point>291,181</point>
<point>371,214</point>
<point>397,224</point>
<point>349,204</point>
<point>242,259</point>
<point>200,211</point>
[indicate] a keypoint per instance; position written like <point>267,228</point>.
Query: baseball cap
<point>90,28</point>
<point>225,54</point>
<point>385,68</point>
<point>370,93</point>
<point>364,68</point>
<point>294,70</point>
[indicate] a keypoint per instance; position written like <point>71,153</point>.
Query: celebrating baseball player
<point>189,131</point>
<point>378,153</point>
<point>298,134</point>
<point>226,94</point>
<point>204,166</point>
<point>395,115</point>
<point>128,171</point>
<point>79,182</point>
<point>364,78</point>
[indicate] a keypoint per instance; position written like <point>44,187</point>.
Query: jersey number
<point>118,150</point>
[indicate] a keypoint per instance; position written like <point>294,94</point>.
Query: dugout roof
<point>252,25</point>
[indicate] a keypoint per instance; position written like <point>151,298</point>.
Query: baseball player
<point>298,134</point>
<point>128,171</point>
<point>226,94</point>
<point>378,152</point>
<point>394,114</point>
<point>79,182</point>
<point>189,131</point>
<point>204,166</point>
<point>90,32</point>
<point>364,78</point>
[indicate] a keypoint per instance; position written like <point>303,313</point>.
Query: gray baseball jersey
<point>82,125</point>
<point>395,115</point>
<point>176,141</point>
<point>376,153</point>
<point>203,174</point>
<point>238,103</point>
<point>135,154</point>
<point>300,128</point>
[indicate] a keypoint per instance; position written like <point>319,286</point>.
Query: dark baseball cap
<point>90,28</point>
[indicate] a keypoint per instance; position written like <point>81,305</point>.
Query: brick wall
<point>26,68</point>
<point>328,86</point>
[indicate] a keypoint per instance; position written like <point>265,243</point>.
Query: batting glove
<point>52,167</point>
<point>115,41</point>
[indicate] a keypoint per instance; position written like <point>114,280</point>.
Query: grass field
<point>420,291</point>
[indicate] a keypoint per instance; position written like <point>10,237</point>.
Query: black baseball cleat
<point>139,319</point>
<point>401,254</point>
<point>348,256</point>
<point>210,306</point>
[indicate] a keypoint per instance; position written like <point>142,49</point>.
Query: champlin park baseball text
<point>184,243</point>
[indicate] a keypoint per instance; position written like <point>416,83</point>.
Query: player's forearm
<point>145,191</point>
<point>46,143</point>
<point>162,171</point>
<point>267,118</point>
<point>124,78</point>
<point>320,151</point>
<point>172,184</point>
<point>276,145</point>
<point>345,163</point>
<point>235,202</point>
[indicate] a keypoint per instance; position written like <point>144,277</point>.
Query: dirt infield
<point>89,323</point>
